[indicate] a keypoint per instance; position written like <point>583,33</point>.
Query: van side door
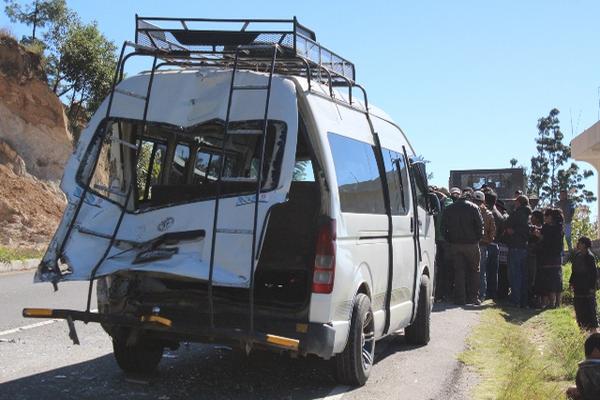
<point>401,205</point>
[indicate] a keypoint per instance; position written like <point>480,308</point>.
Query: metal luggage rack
<point>202,42</point>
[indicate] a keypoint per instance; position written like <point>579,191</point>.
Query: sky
<point>466,80</point>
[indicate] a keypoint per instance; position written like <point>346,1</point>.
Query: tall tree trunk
<point>35,14</point>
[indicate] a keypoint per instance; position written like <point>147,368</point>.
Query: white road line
<point>32,326</point>
<point>27,327</point>
<point>336,393</point>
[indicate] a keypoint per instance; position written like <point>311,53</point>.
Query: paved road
<point>42,363</point>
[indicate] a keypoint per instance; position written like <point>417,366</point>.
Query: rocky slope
<point>34,146</point>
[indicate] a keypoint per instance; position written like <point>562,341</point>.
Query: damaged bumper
<point>311,338</point>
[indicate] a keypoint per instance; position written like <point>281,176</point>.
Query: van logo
<point>165,224</point>
<point>243,200</point>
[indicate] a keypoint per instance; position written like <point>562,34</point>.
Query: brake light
<point>324,271</point>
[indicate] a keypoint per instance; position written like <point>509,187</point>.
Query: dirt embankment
<point>34,146</point>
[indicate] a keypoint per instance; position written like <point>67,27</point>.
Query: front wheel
<point>418,332</point>
<point>141,358</point>
<point>354,364</point>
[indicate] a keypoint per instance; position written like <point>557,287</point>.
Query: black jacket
<point>500,220</point>
<point>462,223</point>
<point>551,245</point>
<point>583,278</point>
<point>518,221</point>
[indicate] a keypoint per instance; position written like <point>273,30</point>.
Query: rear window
<point>359,182</point>
<point>177,164</point>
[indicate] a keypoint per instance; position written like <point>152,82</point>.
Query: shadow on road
<point>194,371</point>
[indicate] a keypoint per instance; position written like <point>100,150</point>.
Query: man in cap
<point>489,233</point>
<point>455,193</point>
<point>462,227</point>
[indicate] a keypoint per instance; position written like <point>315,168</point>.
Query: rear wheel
<point>141,358</point>
<point>419,331</point>
<point>354,364</point>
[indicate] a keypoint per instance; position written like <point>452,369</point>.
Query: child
<point>583,282</point>
<point>588,373</point>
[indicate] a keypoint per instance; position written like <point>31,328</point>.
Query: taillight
<point>324,258</point>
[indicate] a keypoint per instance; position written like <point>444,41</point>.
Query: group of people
<point>491,250</point>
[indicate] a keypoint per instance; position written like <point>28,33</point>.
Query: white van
<point>333,250</point>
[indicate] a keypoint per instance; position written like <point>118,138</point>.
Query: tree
<point>513,162</point>
<point>548,177</point>
<point>37,14</point>
<point>79,60</point>
<point>84,68</point>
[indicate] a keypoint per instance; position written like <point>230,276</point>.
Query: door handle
<point>412,224</point>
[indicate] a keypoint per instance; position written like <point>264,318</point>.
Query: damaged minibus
<point>243,191</point>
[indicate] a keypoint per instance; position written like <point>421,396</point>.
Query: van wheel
<point>354,364</point>
<point>140,358</point>
<point>418,332</point>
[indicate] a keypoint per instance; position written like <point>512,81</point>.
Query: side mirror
<point>434,204</point>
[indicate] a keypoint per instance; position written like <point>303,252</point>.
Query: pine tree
<point>548,175</point>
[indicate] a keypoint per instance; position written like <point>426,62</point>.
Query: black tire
<point>140,358</point>
<point>354,364</point>
<point>418,333</point>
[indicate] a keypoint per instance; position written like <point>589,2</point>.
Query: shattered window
<point>170,164</point>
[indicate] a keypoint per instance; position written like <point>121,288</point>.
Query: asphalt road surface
<point>40,361</point>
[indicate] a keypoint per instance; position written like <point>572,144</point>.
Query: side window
<point>359,183</point>
<point>397,178</point>
<point>180,164</point>
<point>206,167</point>
<point>303,171</point>
<point>421,185</point>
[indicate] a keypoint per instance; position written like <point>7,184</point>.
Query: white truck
<point>240,193</point>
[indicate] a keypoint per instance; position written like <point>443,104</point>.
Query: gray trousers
<point>465,259</point>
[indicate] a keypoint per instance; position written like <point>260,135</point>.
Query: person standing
<point>583,282</point>
<point>517,230</point>
<point>489,233</point>
<point>492,257</point>
<point>550,247</point>
<point>462,227</point>
<point>567,207</point>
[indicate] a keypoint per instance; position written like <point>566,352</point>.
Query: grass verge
<point>526,354</point>
<point>8,254</point>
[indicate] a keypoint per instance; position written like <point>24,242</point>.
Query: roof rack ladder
<point>228,131</point>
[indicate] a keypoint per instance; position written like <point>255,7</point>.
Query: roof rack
<point>216,40</point>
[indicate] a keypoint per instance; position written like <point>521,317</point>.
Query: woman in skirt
<point>583,282</point>
<point>550,252</point>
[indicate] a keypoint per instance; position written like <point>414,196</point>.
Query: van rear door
<point>166,224</point>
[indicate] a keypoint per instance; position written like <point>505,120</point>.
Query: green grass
<point>512,366</point>
<point>9,254</point>
<point>526,354</point>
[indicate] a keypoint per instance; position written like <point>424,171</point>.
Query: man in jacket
<point>489,233</point>
<point>517,237</point>
<point>462,226</point>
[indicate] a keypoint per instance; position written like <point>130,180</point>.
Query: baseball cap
<point>455,190</point>
<point>479,195</point>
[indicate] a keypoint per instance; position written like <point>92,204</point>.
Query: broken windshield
<point>170,164</point>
